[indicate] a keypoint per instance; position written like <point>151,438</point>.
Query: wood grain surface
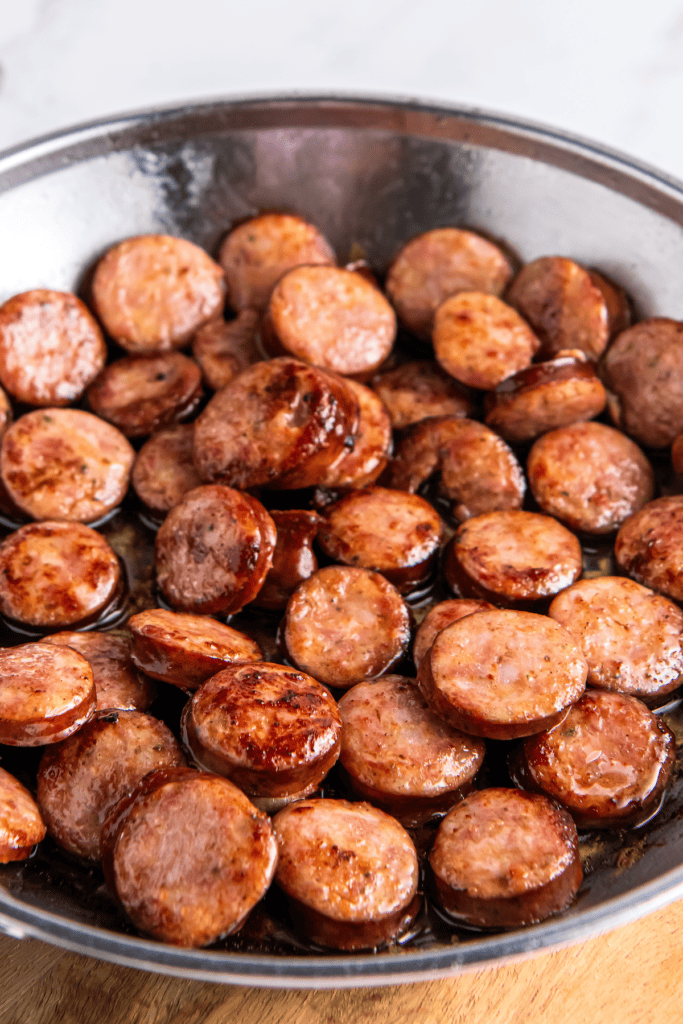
<point>633,975</point>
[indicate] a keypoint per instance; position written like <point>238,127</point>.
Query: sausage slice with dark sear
<point>46,694</point>
<point>21,825</point>
<point>152,292</point>
<point>416,390</point>
<point>223,348</point>
<point>293,557</point>
<point>343,625</point>
<point>256,254</point>
<point>271,730</point>
<point>140,394</point>
<point>188,856</point>
<point>440,616</point>
<point>503,674</point>
<point>440,263</point>
<point>164,470</point>
<point>349,871</point>
<point>649,546</point>
<point>118,684</point>
<point>186,649</point>
<point>372,447</point>
<point>82,779</point>
<point>608,762</point>
<point>65,464</point>
<point>402,757</point>
<point>51,347</point>
<point>503,859</point>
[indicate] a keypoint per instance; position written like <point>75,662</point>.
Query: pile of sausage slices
<point>297,459</point>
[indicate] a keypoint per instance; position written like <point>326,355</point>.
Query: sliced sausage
<point>349,871</point>
<point>545,396</point>
<point>65,464</point>
<point>329,317</point>
<point>504,859</point>
<point>55,574</point>
<point>188,856</point>
<point>565,308</point>
<point>589,476</point>
<point>393,532</point>
<point>372,446</point>
<point>117,682</point>
<point>631,637</point>
<point>480,340</point>
<point>259,251</point>
<point>293,558</point>
<point>21,825</point>
<point>280,423</point>
<point>402,757</point>
<point>47,694</point>
<point>440,616</point>
<point>213,550</point>
<point>608,762</point>
<point>440,263</point>
<point>51,347</point>
<point>222,349</point>
<point>643,371</point>
<point>152,292</point>
<point>81,779</point>
<point>186,649</point>
<point>164,470</point>
<point>649,546</point>
<point>273,731</point>
<point>619,314</point>
<point>477,470</point>
<point>139,394</point>
<point>503,674</point>
<point>512,558</point>
<point>416,390</point>
<point>343,625</point>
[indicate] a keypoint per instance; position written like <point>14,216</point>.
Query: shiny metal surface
<point>370,173</point>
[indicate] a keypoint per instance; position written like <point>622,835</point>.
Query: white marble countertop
<point>612,72</point>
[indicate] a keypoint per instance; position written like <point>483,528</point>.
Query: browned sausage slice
<point>343,625</point>
<point>259,251</point>
<point>81,779</point>
<point>21,825</point>
<point>402,757</point>
<point>139,394</point>
<point>117,683</point>
<point>631,637</point>
<point>213,550</point>
<point>643,371</point>
<point>589,476</point>
<point>164,470</point>
<point>224,348</point>
<point>349,871</point>
<point>649,546</point>
<point>504,859</point>
<point>512,558</point>
<point>188,856</point>
<point>51,347</point>
<point>329,317</point>
<point>372,446</point>
<point>186,649</point>
<point>273,731</point>
<point>608,762</point>
<point>416,390</point>
<point>478,471</point>
<point>503,674</point>
<point>480,340</point>
<point>280,423</point>
<point>152,292</point>
<point>440,263</point>
<point>54,575</point>
<point>293,558</point>
<point>565,308</point>
<point>440,616</point>
<point>546,396</point>
<point>65,464</point>
<point>392,532</point>
<point>46,694</point>
<point>619,313</point>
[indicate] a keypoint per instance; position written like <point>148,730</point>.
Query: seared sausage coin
<point>118,684</point>
<point>223,348</point>
<point>419,389</point>
<point>649,546</point>
<point>440,616</point>
<point>21,825</point>
<point>164,470</point>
